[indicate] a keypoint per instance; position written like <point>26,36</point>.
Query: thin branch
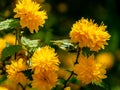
<point>76,61</point>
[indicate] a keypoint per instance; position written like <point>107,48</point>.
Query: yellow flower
<point>46,58</point>
<point>44,80</point>
<point>89,34</point>
<point>29,14</point>
<point>45,63</point>
<point>2,45</point>
<point>106,59</point>
<point>15,69</point>
<point>10,38</point>
<point>89,71</point>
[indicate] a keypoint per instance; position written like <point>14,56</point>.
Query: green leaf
<point>65,44</point>
<point>10,50</point>
<point>9,24</point>
<point>29,43</point>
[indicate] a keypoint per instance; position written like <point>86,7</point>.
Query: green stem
<point>76,61</point>
<point>17,41</point>
<point>18,36</point>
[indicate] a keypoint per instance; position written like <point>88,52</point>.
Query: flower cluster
<point>89,34</point>
<point>45,64</point>
<point>30,15</point>
<point>36,65</point>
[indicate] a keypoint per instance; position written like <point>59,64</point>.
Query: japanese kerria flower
<point>15,69</point>
<point>89,34</point>
<point>44,80</point>
<point>88,70</point>
<point>30,14</point>
<point>44,63</point>
<point>46,58</point>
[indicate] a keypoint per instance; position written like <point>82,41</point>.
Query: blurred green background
<point>63,13</point>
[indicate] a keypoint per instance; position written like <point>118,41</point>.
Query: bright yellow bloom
<point>89,34</point>
<point>106,59</point>
<point>89,71</point>
<point>3,88</point>
<point>29,14</point>
<point>10,38</point>
<point>45,58</point>
<point>2,45</point>
<point>15,69</point>
<point>45,63</point>
<point>44,80</point>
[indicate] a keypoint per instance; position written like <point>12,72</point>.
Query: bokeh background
<point>63,13</point>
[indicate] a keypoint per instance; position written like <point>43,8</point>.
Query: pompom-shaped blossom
<point>89,34</point>
<point>15,69</point>
<point>89,71</point>
<point>44,63</point>
<point>30,15</point>
<point>46,58</point>
<point>44,80</point>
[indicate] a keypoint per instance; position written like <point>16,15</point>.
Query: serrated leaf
<point>29,43</point>
<point>9,24</point>
<point>10,50</point>
<point>65,44</point>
